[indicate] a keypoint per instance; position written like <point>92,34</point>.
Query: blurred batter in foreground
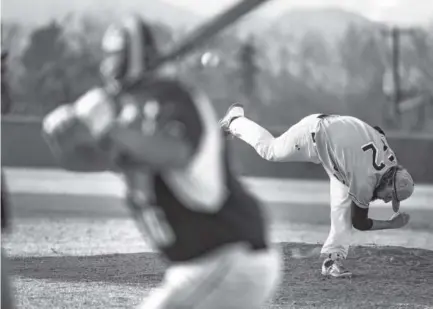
<point>165,140</point>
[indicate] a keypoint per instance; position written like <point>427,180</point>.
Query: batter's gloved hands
<point>97,111</point>
<point>63,130</point>
<point>84,122</point>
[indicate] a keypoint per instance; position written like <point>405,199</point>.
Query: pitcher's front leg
<point>336,246</point>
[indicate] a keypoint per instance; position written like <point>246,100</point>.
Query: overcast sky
<point>399,11</point>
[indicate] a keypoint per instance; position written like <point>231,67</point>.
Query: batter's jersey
<point>355,153</point>
<point>191,211</point>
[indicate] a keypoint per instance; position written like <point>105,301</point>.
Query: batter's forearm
<point>73,145</point>
<point>82,158</point>
<point>87,159</point>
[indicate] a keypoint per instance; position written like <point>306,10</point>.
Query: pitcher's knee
<point>266,151</point>
<point>276,151</point>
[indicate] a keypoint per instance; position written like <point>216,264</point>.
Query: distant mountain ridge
<point>330,22</point>
<point>155,10</point>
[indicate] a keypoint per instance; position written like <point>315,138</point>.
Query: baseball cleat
<point>335,268</point>
<point>235,111</point>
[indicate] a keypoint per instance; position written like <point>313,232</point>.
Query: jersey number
<point>378,166</point>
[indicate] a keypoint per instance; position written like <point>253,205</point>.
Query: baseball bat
<point>208,30</point>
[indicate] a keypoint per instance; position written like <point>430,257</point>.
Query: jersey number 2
<point>371,146</point>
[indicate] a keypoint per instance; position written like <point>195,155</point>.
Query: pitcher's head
<point>396,185</point>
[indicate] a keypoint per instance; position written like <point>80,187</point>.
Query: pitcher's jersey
<point>191,211</point>
<point>355,153</point>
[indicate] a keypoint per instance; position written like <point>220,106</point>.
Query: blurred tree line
<point>280,80</point>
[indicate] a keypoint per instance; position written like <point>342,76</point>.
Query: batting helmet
<point>129,48</point>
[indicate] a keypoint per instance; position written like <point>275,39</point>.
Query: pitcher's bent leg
<point>294,145</point>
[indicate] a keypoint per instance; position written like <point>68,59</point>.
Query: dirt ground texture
<point>385,277</point>
<point>106,264</point>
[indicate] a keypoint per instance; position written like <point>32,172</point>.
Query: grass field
<point>95,263</point>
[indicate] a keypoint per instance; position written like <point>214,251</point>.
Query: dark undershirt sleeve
<point>360,219</point>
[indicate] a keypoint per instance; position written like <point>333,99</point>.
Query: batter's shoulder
<point>174,105</point>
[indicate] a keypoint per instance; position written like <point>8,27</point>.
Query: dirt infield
<point>385,277</point>
<point>91,262</point>
<point>104,263</point>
